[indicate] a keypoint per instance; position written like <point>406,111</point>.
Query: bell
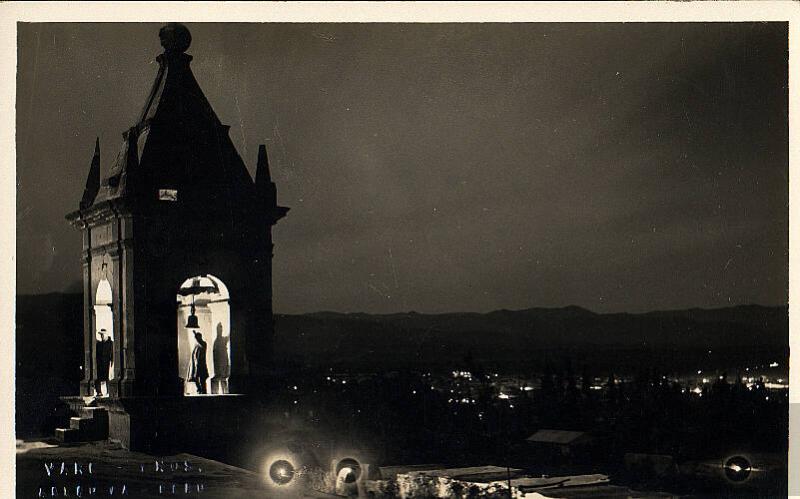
<point>191,322</point>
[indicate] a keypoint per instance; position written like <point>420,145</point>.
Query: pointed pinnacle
<point>262,167</point>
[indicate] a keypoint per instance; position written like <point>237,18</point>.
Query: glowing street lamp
<point>738,469</point>
<point>281,472</point>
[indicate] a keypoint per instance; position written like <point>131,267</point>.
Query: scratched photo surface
<point>402,259</point>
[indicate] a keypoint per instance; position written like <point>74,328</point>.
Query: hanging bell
<point>191,322</point>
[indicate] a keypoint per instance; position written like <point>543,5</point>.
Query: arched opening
<point>104,337</point>
<point>204,352</point>
<point>348,471</point>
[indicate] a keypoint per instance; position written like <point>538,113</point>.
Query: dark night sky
<point>452,167</point>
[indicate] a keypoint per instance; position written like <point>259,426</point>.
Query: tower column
<point>127,315</point>
<point>87,386</point>
<point>240,371</point>
<point>116,274</point>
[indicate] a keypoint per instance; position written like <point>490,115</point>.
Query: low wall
<point>165,424</point>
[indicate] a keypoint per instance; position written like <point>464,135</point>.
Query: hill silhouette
<point>520,339</point>
<point>49,342</point>
<point>49,337</point>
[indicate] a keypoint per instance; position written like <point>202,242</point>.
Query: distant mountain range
<point>525,339</point>
<point>49,343</point>
<point>504,339</point>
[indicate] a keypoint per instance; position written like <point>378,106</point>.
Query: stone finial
<point>262,167</point>
<point>93,179</point>
<point>175,38</point>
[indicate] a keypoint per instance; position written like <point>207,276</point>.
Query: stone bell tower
<point>177,203</point>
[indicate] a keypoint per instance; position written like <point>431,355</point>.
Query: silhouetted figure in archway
<point>222,364</point>
<point>104,352</point>
<point>346,483</point>
<point>198,369</point>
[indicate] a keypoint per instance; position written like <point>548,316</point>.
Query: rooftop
<point>563,437</point>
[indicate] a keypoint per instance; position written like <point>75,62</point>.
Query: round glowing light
<point>281,472</point>
<point>737,469</point>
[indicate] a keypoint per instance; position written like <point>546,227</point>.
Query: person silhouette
<point>222,364</point>
<point>198,369</point>
<point>104,352</point>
